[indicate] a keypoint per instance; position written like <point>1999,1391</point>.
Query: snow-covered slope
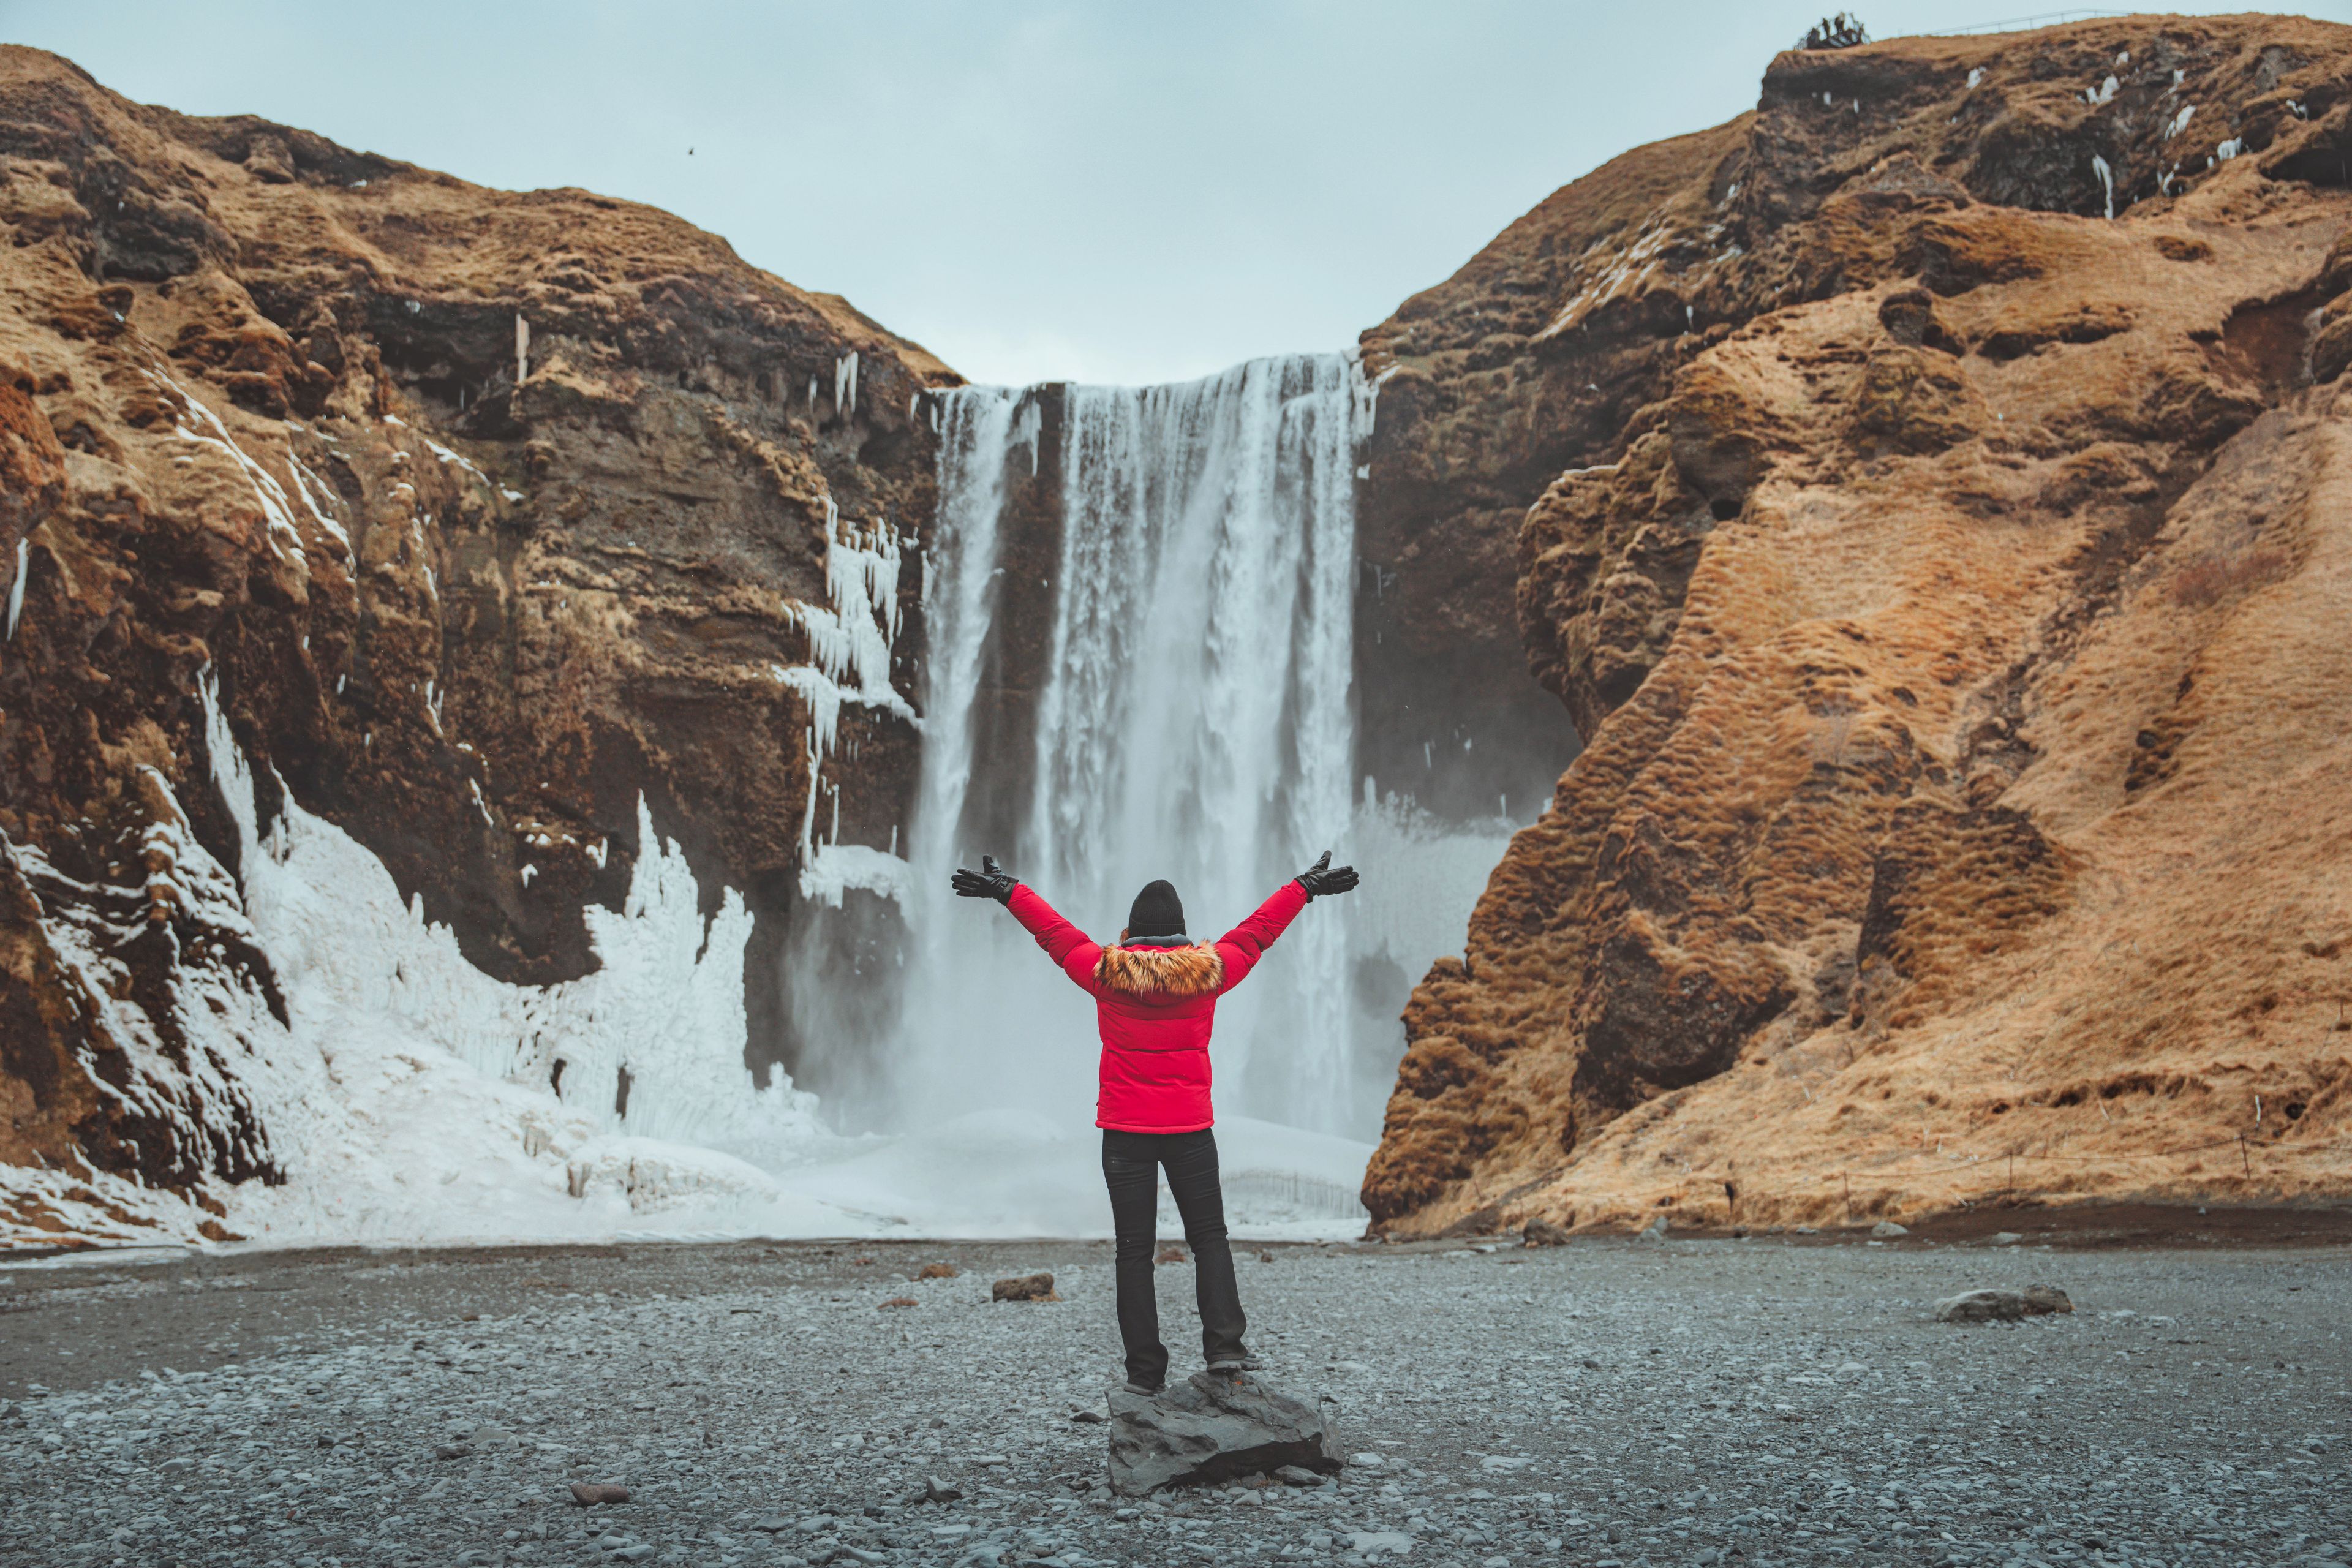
<point>408,1097</point>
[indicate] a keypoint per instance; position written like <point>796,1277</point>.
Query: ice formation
<point>844,383</point>
<point>16,586</point>
<point>851,642</point>
<point>404,1096</point>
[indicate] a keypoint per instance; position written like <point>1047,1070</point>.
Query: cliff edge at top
<point>1943,540</point>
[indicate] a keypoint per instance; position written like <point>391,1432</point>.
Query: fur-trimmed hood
<point>1161,973</point>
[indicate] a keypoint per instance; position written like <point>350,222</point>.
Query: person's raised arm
<point>1065,944</point>
<point>1241,947</point>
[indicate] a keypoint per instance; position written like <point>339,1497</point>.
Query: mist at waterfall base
<point>1139,608</point>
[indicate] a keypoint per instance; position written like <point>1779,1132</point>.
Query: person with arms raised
<point>1155,994</point>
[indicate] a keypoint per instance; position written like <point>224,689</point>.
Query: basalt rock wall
<point>1943,549</point>
<point>487,512</point>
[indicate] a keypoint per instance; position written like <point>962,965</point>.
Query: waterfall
<point>1187,715</point>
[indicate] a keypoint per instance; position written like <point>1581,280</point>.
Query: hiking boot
<point>1133,1387</point>
<point>1228,1366</point>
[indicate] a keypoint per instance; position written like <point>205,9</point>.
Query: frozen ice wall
<point>1194,722</point>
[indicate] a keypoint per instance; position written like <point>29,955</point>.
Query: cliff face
<point>1944,556</point>
<point>488,513</point>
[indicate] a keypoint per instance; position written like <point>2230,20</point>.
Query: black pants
<point>1190,1160</point>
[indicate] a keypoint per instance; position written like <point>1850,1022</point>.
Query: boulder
<point>2002,1306</point>
<point>1212,1428</point>
<point>1024,1288</point>
<point>1542,1233</point>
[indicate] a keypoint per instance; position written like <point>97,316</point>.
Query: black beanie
<point>1157,911</point>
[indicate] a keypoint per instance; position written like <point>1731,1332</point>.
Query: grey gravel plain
<point>1773,1400</point>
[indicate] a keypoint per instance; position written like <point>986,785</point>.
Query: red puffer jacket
<point>1155,1006</point>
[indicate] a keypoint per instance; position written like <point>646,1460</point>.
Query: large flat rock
<point>1211,1428</point>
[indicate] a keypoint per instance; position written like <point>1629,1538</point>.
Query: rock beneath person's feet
<point>588,1494</point>
<point>1542,1233</point>
<point>1213,1428</point>
<point>2002,1306</point>
<point>1024,1288</point>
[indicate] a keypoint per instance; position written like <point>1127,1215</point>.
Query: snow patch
<point>285,538</point>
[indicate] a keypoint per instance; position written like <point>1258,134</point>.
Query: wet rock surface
<point>1784,1400</point>
<point>1212,1427</point>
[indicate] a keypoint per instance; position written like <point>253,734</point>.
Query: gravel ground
<point>1771,1400</point>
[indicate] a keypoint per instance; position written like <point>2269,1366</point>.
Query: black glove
<point>993,881</point>
<point>1320,880</point>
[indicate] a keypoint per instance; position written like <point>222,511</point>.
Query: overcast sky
<point>1117,191</point>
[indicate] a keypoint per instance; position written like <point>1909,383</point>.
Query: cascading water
<point>1189,719</point>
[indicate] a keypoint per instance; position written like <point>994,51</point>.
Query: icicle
<point>845,385</point>
<point>1975,77</point>
<point>2106,179</point>
<point>522,349</point>
<point>16,588</point>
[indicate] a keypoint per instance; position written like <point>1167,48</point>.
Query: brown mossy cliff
<point>264,412</point>
<point>1949,580</point>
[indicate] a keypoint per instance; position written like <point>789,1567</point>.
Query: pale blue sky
<point>1116,191</point>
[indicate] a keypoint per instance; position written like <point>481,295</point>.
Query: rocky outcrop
<point>489,513</point>
<point>1944,557</point>
<point>1215,1427</point>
